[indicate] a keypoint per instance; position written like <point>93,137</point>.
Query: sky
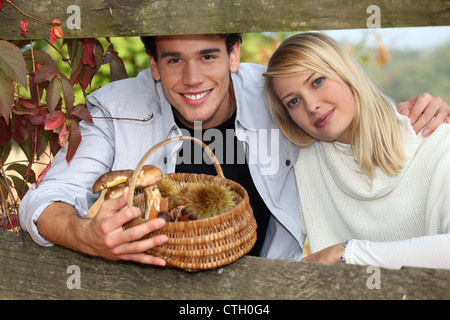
<point>399,38</point>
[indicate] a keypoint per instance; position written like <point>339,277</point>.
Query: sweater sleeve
<point>424,252</point>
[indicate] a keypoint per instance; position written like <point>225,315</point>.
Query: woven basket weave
<point>207,243</point>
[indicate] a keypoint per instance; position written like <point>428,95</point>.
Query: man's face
<point>195,75</point>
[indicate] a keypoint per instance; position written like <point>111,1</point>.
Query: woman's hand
<point>330,255</point>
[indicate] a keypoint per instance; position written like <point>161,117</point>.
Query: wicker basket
<point>207,243</point>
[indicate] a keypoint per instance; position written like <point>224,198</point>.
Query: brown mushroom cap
<point>111,179</point>
<point>148,176</point>
<point>115,192</point>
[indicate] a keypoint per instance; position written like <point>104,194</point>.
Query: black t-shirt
<point>230,153</point>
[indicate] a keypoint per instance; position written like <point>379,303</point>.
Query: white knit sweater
<point>390,221</point>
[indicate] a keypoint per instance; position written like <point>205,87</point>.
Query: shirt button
<point>165,160</point>
<point>288,162</point>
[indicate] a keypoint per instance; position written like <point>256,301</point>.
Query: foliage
<point>409,73</point>
<point>38,109</point>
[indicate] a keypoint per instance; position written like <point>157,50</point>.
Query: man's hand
<point>102,235</point>
<point>109,240</point>
<point>425,111</point>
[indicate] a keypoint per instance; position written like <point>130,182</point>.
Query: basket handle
<point>156,147</point>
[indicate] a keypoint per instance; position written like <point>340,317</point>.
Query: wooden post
<point>112,18</point>
<point>29,271</point>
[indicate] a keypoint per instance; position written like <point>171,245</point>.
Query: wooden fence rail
<point>115,18</point>
<point>29,271</point>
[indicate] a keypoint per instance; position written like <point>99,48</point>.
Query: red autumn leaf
<point>82,112</point>
<point>88,52</point>
<point>20,128</point>
<point>58,32</point>
<point>68,93</point>
<point>45,73</point>
<point>53,120</point>
<point>87,77</point>
<point>54,90</point>
<point>118,70</point>
<point>23,27</point>
<point>42,175</point>
<point>74,140</point>
<point>1,4</point>
<point>36,119</point>
<point>52,36</point>
<point>13,222</point>
<point>63,135</point>
<point>6,96</point>
<point>5,131</point>
<point>12,62</point>
<point>75,75</point>
<point>28,103</point>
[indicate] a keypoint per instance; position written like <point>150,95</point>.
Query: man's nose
<point>192,74</point>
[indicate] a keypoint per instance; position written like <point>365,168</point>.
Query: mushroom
<point>147,195</point>
<point>111,179</point>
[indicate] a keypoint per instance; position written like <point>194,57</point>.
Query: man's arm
<point>103,235</point>
<point>426,112</point>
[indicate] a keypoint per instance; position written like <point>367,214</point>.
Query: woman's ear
<point>235,57</point>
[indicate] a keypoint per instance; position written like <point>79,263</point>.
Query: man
<point>194,81</point>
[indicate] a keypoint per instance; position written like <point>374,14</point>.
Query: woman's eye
<point>318,81</point>
<point>292,102</point>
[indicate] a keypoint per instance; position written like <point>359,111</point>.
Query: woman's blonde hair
<point>375,133</point>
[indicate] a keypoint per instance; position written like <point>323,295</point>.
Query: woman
<point>371,191</point>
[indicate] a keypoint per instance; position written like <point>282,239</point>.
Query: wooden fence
<point>29,271</point>
<point>100,18</point>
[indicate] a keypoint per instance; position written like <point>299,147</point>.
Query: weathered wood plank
<point>29,271</point>
<point>100,18</point>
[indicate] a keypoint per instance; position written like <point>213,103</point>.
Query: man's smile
<point>195,98</point>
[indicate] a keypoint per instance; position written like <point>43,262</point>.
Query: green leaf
<point>12,62</point>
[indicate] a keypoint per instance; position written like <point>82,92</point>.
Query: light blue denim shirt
<point>117,143</point>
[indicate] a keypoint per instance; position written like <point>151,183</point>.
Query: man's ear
<point>235,57</point>
<point>154,68</point>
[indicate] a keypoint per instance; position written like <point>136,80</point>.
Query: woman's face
<point>321,106</point>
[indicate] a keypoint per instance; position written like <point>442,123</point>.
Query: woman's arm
<point>425,252</point>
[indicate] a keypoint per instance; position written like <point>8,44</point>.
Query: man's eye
<point>174,60</point>
<point>208,57</point>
